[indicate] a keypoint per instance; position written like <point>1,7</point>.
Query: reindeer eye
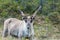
<point>25,20</point>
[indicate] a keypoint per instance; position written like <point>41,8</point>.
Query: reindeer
<point>20,28</point>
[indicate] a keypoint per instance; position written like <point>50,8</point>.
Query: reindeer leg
<point>8,32</point>
<point>32,34</point>
<point>4,34</point>
<point>31,38</point>
<point>20,38</point>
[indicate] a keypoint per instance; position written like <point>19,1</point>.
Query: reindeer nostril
<point>27,27</point>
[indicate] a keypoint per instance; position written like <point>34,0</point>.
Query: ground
<point>41,33</point>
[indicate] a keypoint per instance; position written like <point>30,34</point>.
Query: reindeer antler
<point>21,12</point>
<point>34,14</point>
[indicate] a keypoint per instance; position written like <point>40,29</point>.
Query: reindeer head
<point>29,19</point>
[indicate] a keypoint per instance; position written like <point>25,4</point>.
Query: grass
<point>41,33</point>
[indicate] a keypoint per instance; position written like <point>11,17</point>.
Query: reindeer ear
<point>24,17</point>
<point>32,18</point>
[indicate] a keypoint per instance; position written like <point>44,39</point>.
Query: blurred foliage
<point>50,9</point>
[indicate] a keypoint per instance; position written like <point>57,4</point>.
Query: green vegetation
<point>47,22</point>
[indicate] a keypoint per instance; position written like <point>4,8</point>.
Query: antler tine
<point>21,12</point>
<point>34,14</point>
